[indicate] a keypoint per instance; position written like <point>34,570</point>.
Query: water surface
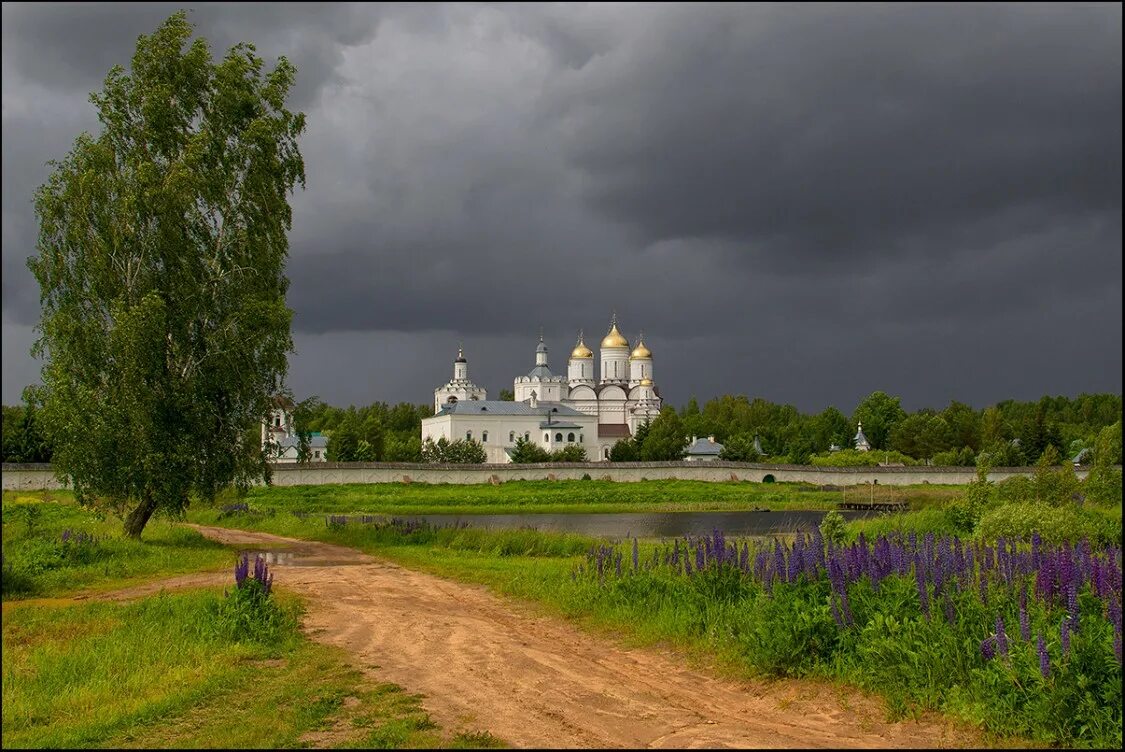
<point>645,524</point>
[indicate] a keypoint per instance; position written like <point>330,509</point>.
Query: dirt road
<point>483,663</point>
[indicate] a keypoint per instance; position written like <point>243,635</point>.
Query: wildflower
<point>1025,621</point>
<point>1064,634</point>
<point>920,580</point>
<point>241,570</point>
<point>1001,638</point>
<point>634,554</point>
<point>988,648</point>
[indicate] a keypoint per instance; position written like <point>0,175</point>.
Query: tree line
<point>1007,434</point>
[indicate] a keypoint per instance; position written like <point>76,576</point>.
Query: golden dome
<point>614,338</point>
<point>641,351</point>
<point>580,350</point>
<point>646,382</point>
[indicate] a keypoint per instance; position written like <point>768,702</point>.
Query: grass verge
<point>53,547</point>
<point>154,673</point>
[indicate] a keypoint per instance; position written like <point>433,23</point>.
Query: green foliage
<point>527,451</point>
<point>247,613</point>
<point>879,413</point>
<point>507,395</point>
<point>740,448</point>
<point>624,450</point>
<point>459,452</point>
<point>1054,486</point>
<point>1003,453</point>
<point>964,457</point>
<point>1107,448</point>
<point>69,548</point>
<point>922,434</point>
<point>833,527</point>
<point>1056,524</point>
<point>23,437</point>
<point>161,255</point>
<point>569,453</point>
<point>855,458</point>
<point>665,439</point>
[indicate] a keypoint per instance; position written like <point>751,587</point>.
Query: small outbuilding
<point>703,450</point>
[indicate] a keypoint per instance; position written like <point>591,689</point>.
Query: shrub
<point>1055,524</point>
<point>833,527</point>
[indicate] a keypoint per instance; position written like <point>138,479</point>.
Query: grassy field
<point>45,556</point>
<point>160,672</point>
<point>581,496</point>
<point>153,673</point>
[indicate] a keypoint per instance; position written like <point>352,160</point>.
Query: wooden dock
<point>874,506</point>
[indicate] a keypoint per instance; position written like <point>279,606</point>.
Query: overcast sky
<point>803,203</point>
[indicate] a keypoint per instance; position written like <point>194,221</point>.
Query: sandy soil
<point>487,664</point>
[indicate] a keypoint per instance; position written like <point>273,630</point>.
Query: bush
<point>854,458</point>
<point>833,527</point>
<point>1015,489</point>
<point>1055,524</point>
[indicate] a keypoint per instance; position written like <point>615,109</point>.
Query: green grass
<point>38,563</point>
<point>578,496</point>
<point>153,674</point>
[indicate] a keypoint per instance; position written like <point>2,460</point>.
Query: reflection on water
<point>646,525</point>
<point>275,558</point>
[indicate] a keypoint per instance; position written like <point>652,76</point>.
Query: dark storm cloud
<point>803,202</point>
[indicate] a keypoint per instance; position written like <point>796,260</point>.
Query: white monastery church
<point>592,408</point>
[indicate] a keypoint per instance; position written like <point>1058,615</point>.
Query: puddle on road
<point>285,558</point>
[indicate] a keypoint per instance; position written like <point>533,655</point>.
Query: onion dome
<point>614,338</point>
<point>460,356</point>
<point>580,350</point>
<point>640,351</point>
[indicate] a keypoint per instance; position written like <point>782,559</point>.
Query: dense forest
<point>1009,433</point>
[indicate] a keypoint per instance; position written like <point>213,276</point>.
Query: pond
<point>646,524</point>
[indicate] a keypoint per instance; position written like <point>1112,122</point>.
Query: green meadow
<point>567,496</point>
<point>174,669</point>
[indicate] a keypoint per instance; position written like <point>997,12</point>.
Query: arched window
<point>527,435</point>
<point>468,435</point>
<point>605,453</point>
<point>558,437</point>
<point>451,399</point>
<point>581,438</point>
<point>570,437</point>
<point>547,437</point>
<point>484,437</point>
<point>511,437</point>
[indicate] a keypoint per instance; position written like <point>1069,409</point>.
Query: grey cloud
<point>802,202</point>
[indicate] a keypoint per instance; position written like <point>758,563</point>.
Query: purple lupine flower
<point>1001,637</point>
<point>241,570</point>
<point>700,557</point>
<point>988,648</point>
<point>635,554</point>
<point>1044,659</point>
<point>1064,635</point>
<point>1025,620</point>
<point>793,568</point>
<point>949,610</point>
<point>836,613</point>
<point>617,564</point>
<point>920,581</point>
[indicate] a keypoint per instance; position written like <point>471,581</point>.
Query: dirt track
<point>483,663</point>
